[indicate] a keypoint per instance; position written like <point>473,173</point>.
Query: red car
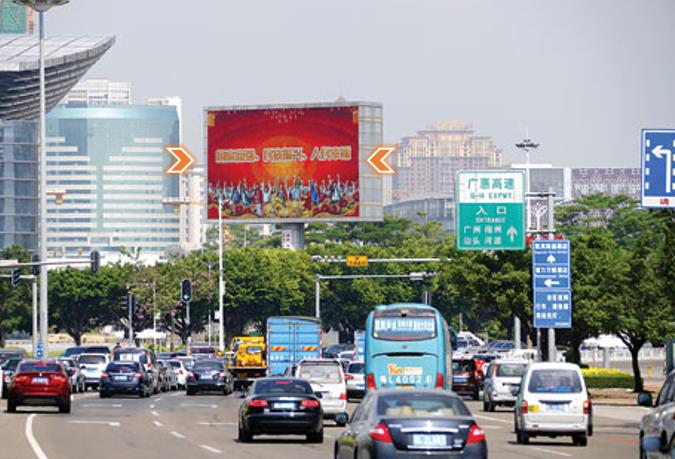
<point>39,383</point>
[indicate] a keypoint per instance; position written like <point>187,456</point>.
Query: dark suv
<point>464,380</point>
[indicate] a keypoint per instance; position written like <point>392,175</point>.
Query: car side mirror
<point>318,394</point>
<point>515,391</point>
<point>82,367</point>
<point>645,399</point>
<point>341,418</point>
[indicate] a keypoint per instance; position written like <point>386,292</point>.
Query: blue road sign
<point>40,350</point>
<point>552,283</point>
<point>658,175</point>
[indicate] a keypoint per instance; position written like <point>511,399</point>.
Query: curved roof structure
<point>67,59</point>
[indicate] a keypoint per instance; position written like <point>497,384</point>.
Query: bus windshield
<point>404,328</point>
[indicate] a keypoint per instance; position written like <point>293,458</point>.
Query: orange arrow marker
<point>184,159</point>
<point>377,157</point>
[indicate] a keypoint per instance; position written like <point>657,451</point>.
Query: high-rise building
<point>610,180</point>
<point>68,59</point>
<point>16,18</point>
<point>428,163</point>
<point>97,92</point>
<point>107,162</point>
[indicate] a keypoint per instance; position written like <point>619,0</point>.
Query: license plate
<point>556,407</point>
<point>120,378</point>
<point>429,440</point>
<point>40,380</point>
<point>284,406</point>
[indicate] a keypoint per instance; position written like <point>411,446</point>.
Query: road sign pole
<point>552,351</point>
<point>35,315</point>
<point>130,306</point>
<point>221,285</point>
<point>317,297</point>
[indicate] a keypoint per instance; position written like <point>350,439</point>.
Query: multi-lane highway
<point>174,426</point>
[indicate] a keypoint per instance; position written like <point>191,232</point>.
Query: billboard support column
<point>293,236</point>
<point>552,351</point>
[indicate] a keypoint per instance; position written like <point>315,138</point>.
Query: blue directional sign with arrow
<point>551,280</point>
<point>658,175</point>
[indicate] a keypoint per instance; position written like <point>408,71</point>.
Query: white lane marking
<point>158,424</point>
<point>489,427</point>
<point>101,405</point>
<point>158,399</point>
<point>178,435</point>
<point>550,451</point>
<point>108,423</point>
<point>199,405</point>
<point>152,406</point>
<point>488,418</point>
<point>217,423</point>
<point>211,449</point>
<point>154,413</point>
<point>329,436</point>
<point>31,439</point>
<point>177,394</point>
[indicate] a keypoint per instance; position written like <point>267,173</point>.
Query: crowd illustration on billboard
<point>287,198</point>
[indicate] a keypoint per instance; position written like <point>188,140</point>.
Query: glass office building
<point>105,166</point>
<point>18,184</point>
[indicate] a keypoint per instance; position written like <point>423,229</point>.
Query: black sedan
<point>411,424</point>
<point>209,375</point>
<point>125,378</point>
<point>281,406</point>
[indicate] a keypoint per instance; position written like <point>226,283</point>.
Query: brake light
<point>343,396</point>
<point>310,403</point>
<point>349,377</point>
<point>257,403</point>
<point>370,381</point>
<point>104,375</point>
<point>21,379</point>
<point>380,433</point>
<point>524,407</point>
<point>60,378</point>
<point>440,381</point>
<point>8,379</point>
<point>587,406</point>
<point>476,435</point>
<point>138,375</point>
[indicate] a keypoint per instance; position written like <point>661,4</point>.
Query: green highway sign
<point>490,210</point>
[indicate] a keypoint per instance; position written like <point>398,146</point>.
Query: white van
<point>328,382</point>
<point>553,401</point>
<point>93,365</point>
<point>501,377</point>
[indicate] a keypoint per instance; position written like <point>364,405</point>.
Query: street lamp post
<point>221,284</point>
<point>526,145</point>
<point>41,7</point>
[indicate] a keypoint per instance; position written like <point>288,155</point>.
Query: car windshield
<point>91,359</point>
<point>421,405</point>
<point>174,364</point>
<point>463,366</point>
<point>328,372</point>
<point>208,366</point>
<point>356,368</point>
<point>128,367</point>
<point>38,367</point>
<point>97,350</point>
<point>254,350</point>
<point>203,350</point>
<point>282,386</point>
<point>552,381</point>
<point>404,326</point>
<point>511,370</point>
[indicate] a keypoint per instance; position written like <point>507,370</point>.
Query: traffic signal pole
<point>552,351</point>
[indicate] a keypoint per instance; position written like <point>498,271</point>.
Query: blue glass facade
<point>18,184</point>
<point>108,162</point>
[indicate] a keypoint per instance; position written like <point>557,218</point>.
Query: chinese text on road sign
<point>551,282</point>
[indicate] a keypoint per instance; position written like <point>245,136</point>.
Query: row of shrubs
<point>607,378</point>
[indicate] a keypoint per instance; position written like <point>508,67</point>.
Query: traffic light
<point>186,290</point>
<point>35,269</point>
<point>16,275</point>
<point>95,261</point>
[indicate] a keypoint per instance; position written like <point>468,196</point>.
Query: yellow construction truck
<point>247,361</point>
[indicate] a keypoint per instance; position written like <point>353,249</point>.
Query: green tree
<point>15,303</point>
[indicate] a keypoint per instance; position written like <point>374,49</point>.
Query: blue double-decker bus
<point>408,345</point>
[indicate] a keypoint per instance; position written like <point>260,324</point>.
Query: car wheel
<point>190,391</point>
<point>244,436</point>
<point>476,394</point>
<point>11,405</point>
<point>64,407</point>
<point>315,437</point>
<point>579,440</point>
<point>102,395</point>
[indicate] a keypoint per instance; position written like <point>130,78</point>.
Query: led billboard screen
<point>284,164</point>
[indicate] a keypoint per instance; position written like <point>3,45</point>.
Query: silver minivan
<point>501,378</point>
<point>552,401</point>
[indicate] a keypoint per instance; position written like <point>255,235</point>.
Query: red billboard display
<point>283,163</point>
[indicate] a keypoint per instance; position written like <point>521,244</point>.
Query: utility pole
<point>130,305</point>
<point>221,284</point>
